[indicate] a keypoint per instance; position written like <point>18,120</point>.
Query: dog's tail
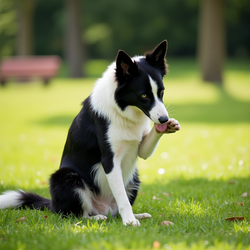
<point>17,199</point>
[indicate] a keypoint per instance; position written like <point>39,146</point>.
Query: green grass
<point>205,167</point>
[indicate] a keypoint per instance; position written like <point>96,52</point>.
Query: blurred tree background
<point>81,30</point>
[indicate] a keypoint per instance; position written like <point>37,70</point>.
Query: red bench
<point>24,68</point>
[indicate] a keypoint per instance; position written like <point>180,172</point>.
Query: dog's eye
<point>144,96</point>
<point>161,93</point>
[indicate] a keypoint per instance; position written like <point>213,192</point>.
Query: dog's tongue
<point>161,127</point>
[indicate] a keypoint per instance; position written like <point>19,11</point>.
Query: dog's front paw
<point>134,222</point>
<point>173,125</point>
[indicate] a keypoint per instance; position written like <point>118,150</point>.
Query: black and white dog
<point>98,173</point>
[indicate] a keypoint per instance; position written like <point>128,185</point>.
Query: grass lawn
<point>195,178</point>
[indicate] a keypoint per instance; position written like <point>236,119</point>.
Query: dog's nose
<point>163,119</point>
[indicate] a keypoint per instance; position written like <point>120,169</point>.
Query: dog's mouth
<point>161,127</point>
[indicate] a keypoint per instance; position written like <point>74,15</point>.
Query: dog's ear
<point>125,67</point>
<point>157,57</point>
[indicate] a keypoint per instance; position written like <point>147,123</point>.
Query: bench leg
<point>46,81</point>
<point>3,81</point>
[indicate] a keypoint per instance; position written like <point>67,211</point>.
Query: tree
<point>74,53</point>
<point>25,11</point>
<point>8,28</point>
<point>211,40</point>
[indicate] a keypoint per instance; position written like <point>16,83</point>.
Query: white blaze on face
<point>158,110</point>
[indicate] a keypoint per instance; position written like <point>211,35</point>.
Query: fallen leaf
<point>45,216</point>
<point>142,193</point>
<point>167,223</point>
<point>240,204</point>
<point>244,194</point>
<point>167,194</point>
<point>155,198</point>
<point>232,182</point>
<point>156,244</point>
<point>22,219</point>
<point>235,218</point>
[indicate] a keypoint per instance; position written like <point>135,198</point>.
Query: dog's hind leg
<point>85,196</point>
<point>69,193</point>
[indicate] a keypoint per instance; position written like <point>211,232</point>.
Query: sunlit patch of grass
<point>191,92</point>
<point>238,85</point>
<point>195,178</point>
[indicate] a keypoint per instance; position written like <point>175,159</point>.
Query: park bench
<point>25,68</point>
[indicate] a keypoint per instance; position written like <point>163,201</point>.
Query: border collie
<point>98,173</point>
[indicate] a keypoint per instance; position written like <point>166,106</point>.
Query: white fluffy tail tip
<point>10,199</point>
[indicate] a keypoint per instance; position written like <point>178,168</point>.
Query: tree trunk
<point>25,11</point>
<point>211,40</point>
<point>74,53</point>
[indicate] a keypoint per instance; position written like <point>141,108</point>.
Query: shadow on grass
<point>226,110</point>
<point>198,189</point>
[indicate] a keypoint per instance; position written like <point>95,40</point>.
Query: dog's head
<point>140,82</point>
